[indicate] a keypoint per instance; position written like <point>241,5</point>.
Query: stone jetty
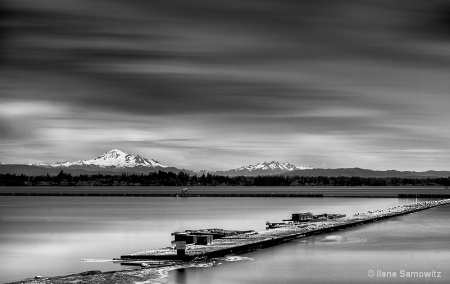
<point>249,241</point>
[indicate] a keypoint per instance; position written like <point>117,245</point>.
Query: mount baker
<point>111,159</point>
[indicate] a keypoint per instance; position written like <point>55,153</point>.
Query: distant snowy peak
<point>272,166</point>
<point>111,159</point>
<point>203,172</point>
<point>57,164</point>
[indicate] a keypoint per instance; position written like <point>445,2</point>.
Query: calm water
<point>50,235</point>
<point>413,243</point>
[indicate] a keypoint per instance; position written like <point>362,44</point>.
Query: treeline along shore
<point>161,178</point>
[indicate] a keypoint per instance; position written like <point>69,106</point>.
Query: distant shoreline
<point>184,179</point>
<point>232,195</point>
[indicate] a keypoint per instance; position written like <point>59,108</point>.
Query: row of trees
<point>161,178</point>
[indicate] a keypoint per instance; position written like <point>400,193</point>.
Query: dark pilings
<point>181,254</point>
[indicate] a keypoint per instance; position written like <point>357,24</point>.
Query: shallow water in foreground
<point>50,235</point>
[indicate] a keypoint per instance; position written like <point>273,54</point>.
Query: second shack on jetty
<point>209,243</point>
<point>299,219</point>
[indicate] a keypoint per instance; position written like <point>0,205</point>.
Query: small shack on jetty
<point>205,236</point>
<point>298,219</point>
<point>245,241</point>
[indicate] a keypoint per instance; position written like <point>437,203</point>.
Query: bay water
<point>50,235</point>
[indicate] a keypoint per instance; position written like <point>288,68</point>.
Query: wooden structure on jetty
<point>205,236</point>
<point>243,242</point>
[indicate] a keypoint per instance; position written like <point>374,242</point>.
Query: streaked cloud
<point>213,84</point>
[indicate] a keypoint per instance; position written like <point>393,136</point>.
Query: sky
<point>208,84</point>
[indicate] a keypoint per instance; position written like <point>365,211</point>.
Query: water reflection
<point>180,276</point>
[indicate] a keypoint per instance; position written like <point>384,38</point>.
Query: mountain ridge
<point>359,172</point>
<point>263,168</point>
<point>116,161</point>
<point>273,165</point>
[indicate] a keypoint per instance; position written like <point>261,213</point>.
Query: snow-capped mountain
<point>272,166</point>
<point>111,159</point>
<point>264,168</point>
<point>203,172</point>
